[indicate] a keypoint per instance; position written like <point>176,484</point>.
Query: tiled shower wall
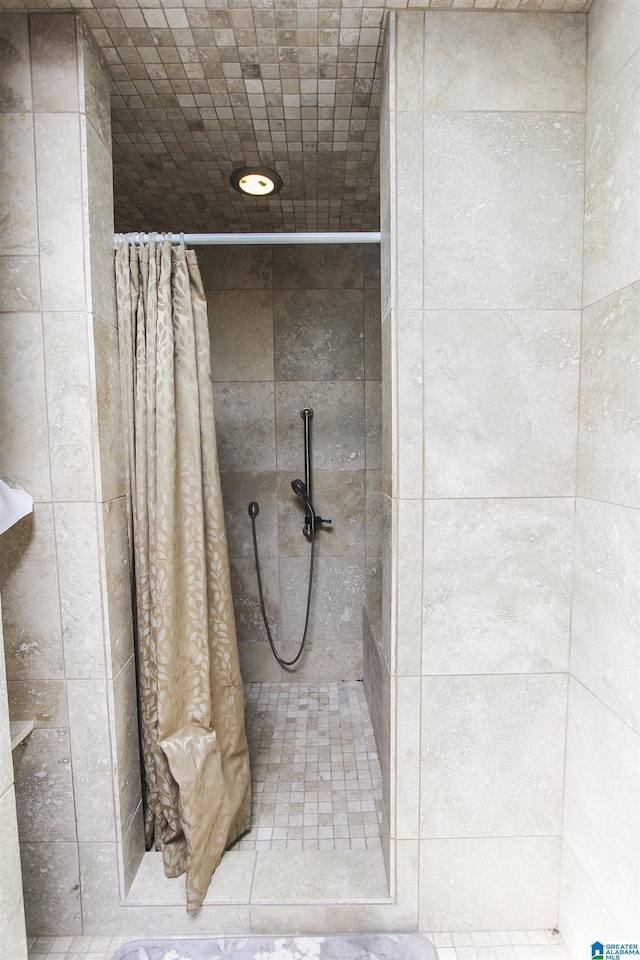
<point>294,326</point>
<point>600,890</point>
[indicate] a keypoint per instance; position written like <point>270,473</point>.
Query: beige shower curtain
<point>194,748</point>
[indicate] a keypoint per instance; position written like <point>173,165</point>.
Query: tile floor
<point>518,945</point>
<point>315,771</point>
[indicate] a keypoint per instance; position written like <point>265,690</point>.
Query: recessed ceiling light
<point>256,181</point>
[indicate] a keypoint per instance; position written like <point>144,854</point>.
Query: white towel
<point>14,504</point>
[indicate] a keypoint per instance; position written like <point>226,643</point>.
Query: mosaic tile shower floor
<point>315,771</point>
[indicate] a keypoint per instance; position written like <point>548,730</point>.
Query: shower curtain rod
<point>206,239</point>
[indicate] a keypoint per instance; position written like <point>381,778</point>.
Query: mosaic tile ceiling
<point>200,87</point>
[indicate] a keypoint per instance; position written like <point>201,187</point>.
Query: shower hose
<point>253,513</point>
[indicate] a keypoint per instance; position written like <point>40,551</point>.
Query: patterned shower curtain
<point>194,748</point>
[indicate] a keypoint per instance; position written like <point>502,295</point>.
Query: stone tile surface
<point>245,426</point>
<point>19,284</point>
<point>238,491</point>
<point>15,68</point>
<point>614,36</point>
<point>527,61</point>
<point>54,63</point>
<point>497,586</point>
<point>241,331</point>
<point>241,267</point>
<point>44,790</point>
<point>336,600</point>
<point>337,426</point>
<point>14,941</point>
<point>318,335</point>
<point>609,440</point>
<point>485,172</point>
<point>109,411</point>
<point>246,602</point>
<point>43,701</point>
<point>18,176</point>
<point>92,771</point>
<point>338,495</point>
<point>51,889</point>
<point>317,266</point>
<point>98,175</point>
<point>125,710</point>
<point>117,572</point>
<point>501,391</point>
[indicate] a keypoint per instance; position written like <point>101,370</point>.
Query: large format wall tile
<point>317,266</point>
<point>610,399</point>
<point>60,211</point>
<point>605,650</point>
<point>117,572</point>
<point>109,410</point>
<point>94,83</point>
<point>503,210</point>
<point>14,944</point>
<point>19,284</point>
<point>238,491</point>
<point>44,789</point>
<point>501,395</point>
<point>54,63</point>
<point>235,267</point>
<point>51,881</point>
<point>98,186</point>
<point>338,495</point>
<point>15,72</point>
<point>92,771</point>
<point>317,335</point>
<point>526,61</point>
<point>241,332</point>
<point>602,800</point>
<point>336,600</point>
<point>30,598</point>
<point>486,884</point>
<point>124,710</point>
<point>69,402</point>
<point>612,187</point>
<point>497,585</point>
<point>410,210</point>
<point>493,754</point>
<point>614,36</point>
<point>584,914</point>
<point>245,426</point>
<point>322,660</point>
<point>43,701</point>
<point>337,428</point>
<point>19,237</point>
<point>23,411</point>
<point>246,600</point>
<point>372,321</point>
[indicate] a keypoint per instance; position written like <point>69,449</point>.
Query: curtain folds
<point>194,747</point>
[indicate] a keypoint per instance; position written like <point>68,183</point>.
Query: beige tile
<point>388,231</point>
<point>372,343</point>
<point>373,529</point>
<point>388,405</point>
<point>54,62</point>
<point>503,210</point>
<point>98,186</point>
<point>408,586</point>
<point>132,849</point>
<point>337,428</point>
<point>92,771</point>
<point>80,590</point>
<point>602,829</point>
<point>501,883</point>
<point>371,266</point>
<point>508,742</point>
<point>117,567</point>
<point>43,701</point>
<point>125,711</point>
<point>409,201</point>
<point>231,883</point>
<point>23,414</point>
<point>501,392</point>
<point>18,177</point>
<point>245,426</point>
<point>15,71</point>
<point>246,602</point>
<point>410,420</point>
<point>235,267</point>
<point>30,599</point>
<point>377,684</point>
<point>609,445</point>
<point>323,660</point>
<point>69,406</point>
<point>318,335</point>
<point>94,83</point>
<point>241,331</point>
<point>60,211</point>
<point>317,266</point>
<point>407,773</point>
<point>614,36</point>
<point>317,876</point>
<point>389,553</point>
<point>583,909</point>
<point>373,424</point>
<point>14,940</point>
<point>238,491</point>
<point>612,187</point>
<point>109,411</point>
<point>338,495</point>
<point>528,61</point>
<point>497,586</point>
<point>336,600</point>
<point>410,51</point>
<point>6,767</point>
<point>19,284</point>
<point>51,889</point>
<point>605,655</point>
<point>44,791</point>
<point>257,662</point>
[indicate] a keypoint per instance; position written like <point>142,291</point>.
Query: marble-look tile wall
<point>600,890</point>
<point>482,217</point>
<point>64,569</point>
<point>295,326</point>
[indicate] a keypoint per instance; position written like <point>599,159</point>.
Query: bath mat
<point>377,946</point>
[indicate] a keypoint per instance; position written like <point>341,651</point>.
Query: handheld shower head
<point>299,489</point>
